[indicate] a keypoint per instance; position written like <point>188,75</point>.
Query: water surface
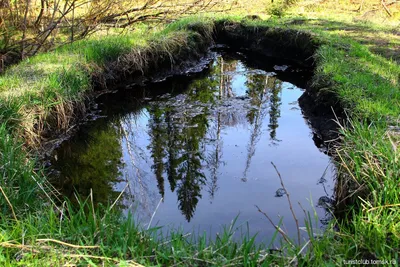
<point>200,149</point>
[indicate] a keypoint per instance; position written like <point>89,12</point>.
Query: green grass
<point>88,236</point>
<point>364,83</point>
<point>45,91</point>
<point>17,174</point>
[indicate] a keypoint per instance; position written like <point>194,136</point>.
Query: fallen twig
<point>19,246</point>
<point>386,8</point>
<point>65,244</point>
<point>131,263</point>
<point>385,206</point>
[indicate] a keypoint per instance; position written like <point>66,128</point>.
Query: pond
<point>194,152</point>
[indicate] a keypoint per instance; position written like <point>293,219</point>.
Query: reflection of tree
<point>158,147</point>
<point>185,140</point>
<point>260,89</point>
<point>178,127</point>
<point>257,86</point>
<point>190,174</point>
<point>274,109</point>
<point>173,157</point>
<point>92,165</point>
<point>177,146</point>
<point>214,158</point>
<point>226,73</point>
<point>136,178</point>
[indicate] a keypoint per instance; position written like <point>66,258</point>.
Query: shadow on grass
<point>384,42</point>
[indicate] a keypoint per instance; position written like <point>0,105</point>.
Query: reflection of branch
<point>215,160</point>
<point>142,186</point>
<point>323,180</point>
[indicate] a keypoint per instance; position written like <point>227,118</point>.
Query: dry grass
<point>357,10</point>
<point>65,254</point>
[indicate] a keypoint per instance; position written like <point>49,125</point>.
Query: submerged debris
<point>281,68</point>
<point>280,192</point>
<point>325,202</point>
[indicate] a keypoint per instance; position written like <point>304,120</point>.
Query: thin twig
<point>361,6</point>
<point>44,191</point>
<point>9,203</point>
<point>154,213</point>
<point>301,250</point>
<point>386,8</point>
<point>385,206</point>
<point>276,227</point>
<point>119,196</point>
<point>65,244</point>
<point>100,258</point>
<point>290,203</point>
<point>19,246</point>
<point>92,202</point>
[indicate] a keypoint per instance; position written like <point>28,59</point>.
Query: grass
<point>46,92</point>
<point>365,83</point>
<point>49,89</point>
<point>366,86</point>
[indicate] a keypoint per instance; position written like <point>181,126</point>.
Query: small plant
<point>277,10</point>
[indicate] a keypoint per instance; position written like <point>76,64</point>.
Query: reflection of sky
<point>238,82</point>
<point>299,161</point>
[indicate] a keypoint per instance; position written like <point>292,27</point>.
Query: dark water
<point>202,147</point>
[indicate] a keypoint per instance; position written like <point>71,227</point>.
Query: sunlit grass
<point>45,84</point>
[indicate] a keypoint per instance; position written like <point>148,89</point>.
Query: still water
<point>197,151</point>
